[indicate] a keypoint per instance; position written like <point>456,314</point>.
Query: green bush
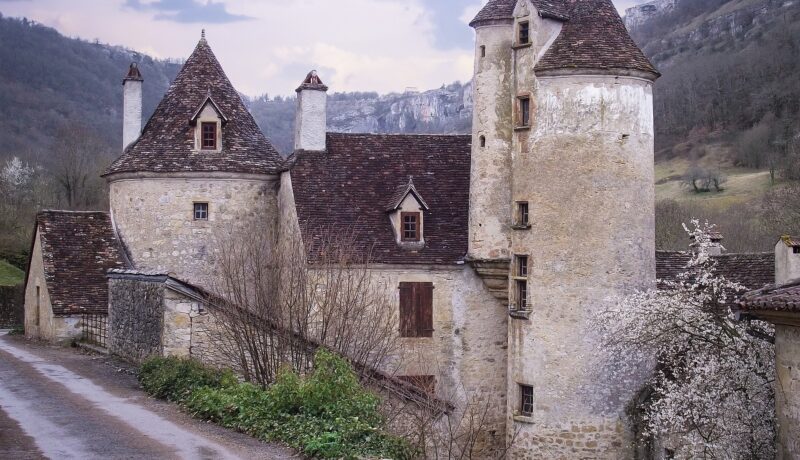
<point>174,379</point>
<point>327,414</point>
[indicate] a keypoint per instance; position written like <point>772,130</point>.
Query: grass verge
<point>10,275</point>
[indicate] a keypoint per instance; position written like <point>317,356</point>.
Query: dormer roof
<point>503,10</point>
<point>207,101</point>
<point>167,143</point>
<point>402,192</point>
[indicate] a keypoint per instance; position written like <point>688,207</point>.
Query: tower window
<point>526,400</point>
<point>38,304</point>
<point>523,214</point>
<point>796,249</point>
<point>524,111</point>
<point>209,135</point>
<point>411,226</point>
<point>201,211</point>
<point>483,141</point>
<point>522,294</point>
<point>522,266</point>
<point>524,33</point>
<point>483,50</point>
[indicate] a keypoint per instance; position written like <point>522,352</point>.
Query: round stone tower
<point>200,171</point>
<point>579,216</point>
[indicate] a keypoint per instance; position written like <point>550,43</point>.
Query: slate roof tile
<point>78,248</point>
<point>167,140</point>
<point>785,297</point>
<point>753,271</point>
<point>352,181</point>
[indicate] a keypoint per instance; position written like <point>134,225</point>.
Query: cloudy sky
<point>267,46</point>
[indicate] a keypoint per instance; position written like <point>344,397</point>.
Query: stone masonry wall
<point>155,219</point>
<point>787,390</point>
<point>135,318</point>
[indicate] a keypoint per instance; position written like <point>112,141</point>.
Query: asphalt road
<point>64,404</point>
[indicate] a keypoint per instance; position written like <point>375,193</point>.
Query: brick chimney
<point>787,259</point>
<point>131,105</point>
<point>310,117</point>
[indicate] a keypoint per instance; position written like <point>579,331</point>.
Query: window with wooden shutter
<point>416,309</point>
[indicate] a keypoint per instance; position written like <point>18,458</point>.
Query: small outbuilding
<point>66,283</point>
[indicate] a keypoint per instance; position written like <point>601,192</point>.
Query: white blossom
<point>710,393</point>
<point>15,174</point>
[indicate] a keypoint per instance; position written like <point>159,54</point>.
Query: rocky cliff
<point>640,14</point>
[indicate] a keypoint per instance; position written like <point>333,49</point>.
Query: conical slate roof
<point>167,142</point>
<point>592,38</point>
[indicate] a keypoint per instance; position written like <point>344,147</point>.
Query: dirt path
<point>60,403</point>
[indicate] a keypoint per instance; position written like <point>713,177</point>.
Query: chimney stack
<point>714,244</point>
<point>787,259</point>
<point>310,118</point>
<point>132,106</point>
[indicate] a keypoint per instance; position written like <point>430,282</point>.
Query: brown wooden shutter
<point>408,317</point>
<point>424,309</point>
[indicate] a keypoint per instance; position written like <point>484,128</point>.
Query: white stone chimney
<point>311,121</point>
<point>787,259</point>
<point>715,247</point>
<point>132,106</point>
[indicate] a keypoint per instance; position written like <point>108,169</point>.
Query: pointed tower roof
<point>167,142</point>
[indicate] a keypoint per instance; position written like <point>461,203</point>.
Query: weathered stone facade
<point>154,216</point>
<point>135,318</point>
<point>787,390</point>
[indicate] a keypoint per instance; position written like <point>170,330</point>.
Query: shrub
<point>174,379</point>
<point>327,414</point>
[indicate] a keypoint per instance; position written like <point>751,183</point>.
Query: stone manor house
<point>511,238</point>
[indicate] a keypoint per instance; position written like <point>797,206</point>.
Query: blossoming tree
<point>709,393</point>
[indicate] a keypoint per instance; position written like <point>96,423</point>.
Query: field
<point>10,275</point>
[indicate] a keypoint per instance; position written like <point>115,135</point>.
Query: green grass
<point>10,275</point>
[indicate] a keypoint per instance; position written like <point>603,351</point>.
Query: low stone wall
<point>135,318</point>
<point>12,305</point>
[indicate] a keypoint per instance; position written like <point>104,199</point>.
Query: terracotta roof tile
<point>167,140</point>
<point>78,248</point>
<point>352,182</point>
<point>594,38</point>
<point>753,271</point>
<point>773,298</point>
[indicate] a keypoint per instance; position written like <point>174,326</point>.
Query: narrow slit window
<point>411,226</point>
<point>483,141</point>
<point>483,50</point>
<point>526,400</point>
<point>201,211</point>
<point>524,111</point>
<point>38,303</point>
<point>522,266</point>
<point>209,135</point>
<point>523,216</point>
<point>522,294</point>
<point>524,33</point>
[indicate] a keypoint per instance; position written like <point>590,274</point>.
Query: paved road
<point>63,404</point>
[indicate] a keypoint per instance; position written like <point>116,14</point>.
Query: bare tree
<point>274,306</point>
<point>78,158</point>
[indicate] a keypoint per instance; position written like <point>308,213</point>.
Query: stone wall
<point>154,216</point>
<point>787,390</point>
<point>787,263</point>
<point>12,306</point>
<point>135,318</point>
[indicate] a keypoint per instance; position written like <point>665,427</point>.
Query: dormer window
<point>209,135</point>
<point>524,33</point>
<point>411,226</point>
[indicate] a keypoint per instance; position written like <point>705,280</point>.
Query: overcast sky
<point>267,46</point>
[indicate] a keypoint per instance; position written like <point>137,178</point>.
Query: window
<point>522,266</point>
<point>38,304</point>
<point>416,309</point>
<point>523,217</point>
<point>201,211</point>
<point>524,33</point>
<point>410,222</point>
<point>483,50</point>
<point>526,400</point>
<point>483,141</point>
<point>522,294</point>
<point>796,249</point>
<point>426,383</point>
<point>208,132</point>
<point>524,111</point>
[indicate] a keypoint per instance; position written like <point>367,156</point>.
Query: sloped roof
<point>167,140</point>
<point>791,241</point>
<point>400,194</point>
<point>594,38</point>
<point>753,271</point>
<point>499,10</point>
<point>351,182</point>
<point>784,298</point>
<point>78,248</point>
